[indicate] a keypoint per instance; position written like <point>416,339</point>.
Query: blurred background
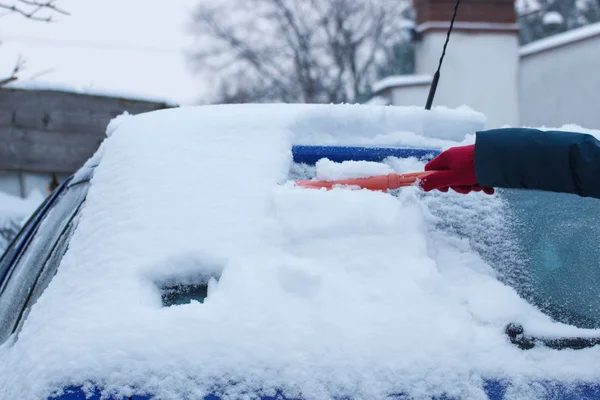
<point>68,67</point>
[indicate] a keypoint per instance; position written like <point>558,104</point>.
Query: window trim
<point>63,236</point>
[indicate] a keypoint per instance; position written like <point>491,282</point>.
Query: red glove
<point>454,168</point>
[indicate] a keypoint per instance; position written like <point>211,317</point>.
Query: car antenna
<point>436,76</point>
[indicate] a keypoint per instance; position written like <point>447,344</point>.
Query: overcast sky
<point>124,46</point>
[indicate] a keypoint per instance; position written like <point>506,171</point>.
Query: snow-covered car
<point>182,262</point>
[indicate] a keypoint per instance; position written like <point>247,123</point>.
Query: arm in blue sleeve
<point>553,161</point>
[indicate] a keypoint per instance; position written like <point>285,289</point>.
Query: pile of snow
<point>14,211</point>
<point>322,294</point>
<point>114,124</point>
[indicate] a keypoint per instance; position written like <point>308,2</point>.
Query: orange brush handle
<point>378,183</point>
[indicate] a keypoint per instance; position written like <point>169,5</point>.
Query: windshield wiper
<point>517,336</point>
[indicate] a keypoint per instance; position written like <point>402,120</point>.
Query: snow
<point>553,18</point>
<point>114,124</point>
<point>321,294</point>
<point>87,90</point>
<point>561,39</point>
<point>328,170</point>
<point>401,80</point>
<point>466,25</point>
<point>382,125</point>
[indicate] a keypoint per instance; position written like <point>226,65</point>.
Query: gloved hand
<point>454,168</point>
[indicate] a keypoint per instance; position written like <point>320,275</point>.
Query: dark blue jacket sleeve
<point>553,161</point>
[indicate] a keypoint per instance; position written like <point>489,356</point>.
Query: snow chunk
<point>116,122</point>
<point>328,170</point>
<point>553,18</point>
<point>382,125</point>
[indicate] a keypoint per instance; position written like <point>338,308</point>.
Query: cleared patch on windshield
<point>186,289</point>
<point>183,294</point>
<point>186,278</point>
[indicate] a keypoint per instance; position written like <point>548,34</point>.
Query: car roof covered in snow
<point>320,294</point>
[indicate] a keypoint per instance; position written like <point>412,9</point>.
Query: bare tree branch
<point>31,9</point>
<point>38,74</point>
<point>19,66</point>
<point>6,81</point>
<point>237,47</point>
<point>303,50</point>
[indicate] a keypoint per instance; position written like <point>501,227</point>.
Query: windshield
<point>557,242</point>
<point>545,245</point>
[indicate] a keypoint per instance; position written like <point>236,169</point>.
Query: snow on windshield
<point>322,294</point>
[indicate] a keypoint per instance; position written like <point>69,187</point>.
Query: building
<point>551,82</point>
<point>47,134</point>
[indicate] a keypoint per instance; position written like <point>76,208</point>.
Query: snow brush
<point>380,183</point>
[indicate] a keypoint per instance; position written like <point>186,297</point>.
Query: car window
<point>558,239</point>
<point>19,240</point>
<point>33,268</point>
<point>544,245</point>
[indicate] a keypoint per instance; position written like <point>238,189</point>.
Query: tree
<point>43,11</point>
<point>310,51</point>
<point>544,18</point>
<point>400,60</point>
<point>35,10</point>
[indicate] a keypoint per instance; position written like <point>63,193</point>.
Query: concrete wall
<point>480,70</point>
<point>560,83</point>
<point>46,133</point>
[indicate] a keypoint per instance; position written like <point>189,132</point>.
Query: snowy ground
<point>321,294</point>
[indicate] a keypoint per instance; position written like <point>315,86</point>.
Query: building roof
<point>89,91</point>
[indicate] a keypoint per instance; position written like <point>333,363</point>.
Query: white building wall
<point>561,84</point>
<point>480,70</point>
<point>410,95</point>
